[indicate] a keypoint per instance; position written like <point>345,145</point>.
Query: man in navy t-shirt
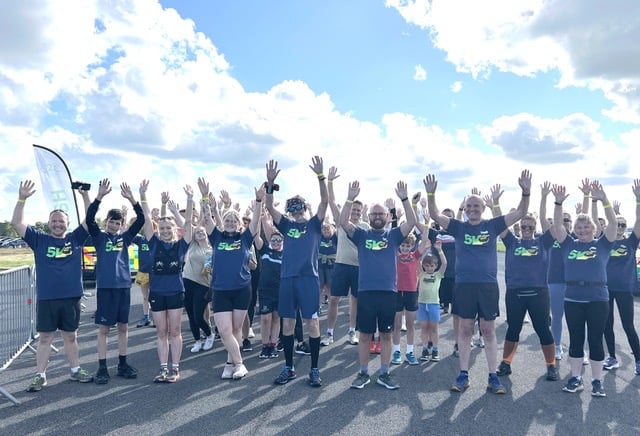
<point>58,259</point>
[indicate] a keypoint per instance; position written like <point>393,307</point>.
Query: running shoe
<point>327,339</point>
<point>411,359</point>
<point>552,373</point>
<point>638,367</point>
<point>314,378</point>
<point>573,385</point>
<point>81,376</point>
<point>208,343</point>
<point>481,342</point>
<point>102,376</point>
<point>303,348</point>
<point>279,346</point>
<point>239,371</point>
<point>386,380</point>
<point>126,371</point>
<point>435,357</point>
<point>251,333</point>
<point>246,345</point>
<point>197,346</point>
<point>227,371</point>
<point>425,355</point>
<point>494,385</point>
<point>362,379</point>
<point>596,389</point>
<point>265,353</point>
<point>504,369</point>
<point>353,337</point>
<point>174,375</point>
<point>145,321</point>
<point>611,363</point>
<point>456,351</point>
<point>396,359</point>
<point>559,352</point>
<point>287,374</point>
<point>461,383</point>
<point>162,375</point>
<point>37,383</point>
<point>273,352</point>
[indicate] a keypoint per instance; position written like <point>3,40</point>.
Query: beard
<point>378,224</point>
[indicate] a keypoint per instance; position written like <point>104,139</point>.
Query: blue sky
<point>384,90</point>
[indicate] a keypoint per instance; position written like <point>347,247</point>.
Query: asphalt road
<point>202,403</point>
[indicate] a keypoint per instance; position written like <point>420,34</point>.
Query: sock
<point>409,349</point>
<point>396,348</point>
<point>175,366</point>
<point>430,344</point>
<point>314,344</point>
<point>43,375</point>
<point>352,329</point>
<point>287,344</point>
<point>330,332</point>
<point>384,368</point>
<point>364,369</point>
<point>102,363</point>
<point>75,369</point>
<point>122,359</point>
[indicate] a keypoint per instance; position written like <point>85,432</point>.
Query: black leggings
<point>624,301</point>
<point>536,302</point>
<point>196,298</point>
<point>594,315</point>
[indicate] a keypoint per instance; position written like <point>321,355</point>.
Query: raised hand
<point>390,203</point>
<point>560,193</point>
<point>189,191</point>
<point>26,189</point>
<point>525,181</point>
<point>125,191</point>
<point>272,171</point>
<point>104,187</point>
<point>144,185</point>
<point>545,189</point>
<point>597,192</point>
<point>401,190</point>
<point>430,183</point>
<point>316,165</point>
<point>203,186</point>
<point>164,197</point>
<point>496,193</point>
<point>586,187</point>
<point>354,190</point>
<point>333,174</point>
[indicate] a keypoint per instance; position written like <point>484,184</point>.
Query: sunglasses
<point>527,227</point>
<point>622,225</point>
<point>295,208</point>
<point>276,239</point>
<point>566,220</point>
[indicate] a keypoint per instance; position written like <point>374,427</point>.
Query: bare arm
<point>586,191</point>
<point>430,185</point>
<point>422,227</point>
<point>598,193</point>
<point>345,223</point>
<point>443,258</point>
<point>254,225</point>
<point>525,184</point>
<point>173,208</point>
<point>148,223</point>
<point>205,205</point>
<point>636,192</point>
<point>26,190</point>
<point>402,192</point>
<point>557,229</point>
<point>545,189</point>
<point>187,229</point>
<point>335,212</point>
<point>317,167</point>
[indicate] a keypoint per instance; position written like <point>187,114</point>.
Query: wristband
<point>320,175</point>
<point>404,199</point>
<point>593,201</point>
<point>414,204</point>
<point>330,181</point>
<point>349,201</point>
<point>557,204</point>
<point>143,201</point>
<point>526,195</point>
<point>22,200</point>
<point>607,206</point>
<point>321,178</point>
<point>461,209</point>
<point>205,198</point>
<point>495,206</point>
<point>269,189</point>
<point>430,194</point>
<point>258,201</point>
<point>164,203</point>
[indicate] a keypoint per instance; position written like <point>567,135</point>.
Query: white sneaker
<point>251,333</point>
<point>327,339</point>
<point>228,371</point>
<point>585,359</point>
<point>481,342</point>
<point>559,352</point>
<point>208,343</point>
<point>197,346</point>
<point>353,338</point>
<point>239,371</point>
<point>404,324</point>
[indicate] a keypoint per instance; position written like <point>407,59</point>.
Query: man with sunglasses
<point>300,283</point>
<point>58,258</point>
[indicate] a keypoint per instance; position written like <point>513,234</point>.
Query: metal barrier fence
<point>17,316</point>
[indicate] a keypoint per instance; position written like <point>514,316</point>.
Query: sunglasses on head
<point>295,207</point>
<point>276,239</point>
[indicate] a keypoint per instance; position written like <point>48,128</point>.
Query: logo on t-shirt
<point>621,251</point>
<point>591,253</point>
<point>60,253</point>
<point>371,244</point>
<point>295,233</point>
<point>225,246</point>
<point>326,244</point>
<point>525,252</point>
<point>481,239</point>
<point>118,246</point>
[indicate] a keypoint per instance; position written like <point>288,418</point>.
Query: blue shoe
<point>574,385</point>
<point>314,378</point>
<point>411,359</point>
<point>495,386</point>
<point>461,383</point>
<point>287,374</point>
<point>396,359</point>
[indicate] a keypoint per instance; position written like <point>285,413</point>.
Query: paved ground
<point>203,403</point>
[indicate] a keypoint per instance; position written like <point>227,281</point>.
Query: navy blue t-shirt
<point>329,246</point>
<point>166,284</point>
<point>527,261</point>
<point>144,258</point>
<point>622,269</point>
<point>586,262</point>
<point>271,268</point>
<point>231,254</point>
<point>58,263</point>
<point>301,244</point>
<point>377,251</point>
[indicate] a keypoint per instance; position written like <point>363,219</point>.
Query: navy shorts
<point>345,278</point>
<point>406,300</point>
<point>473,300</point>
<point>112,306</point>
<point>376,309</point>
<point>230,300</point>
<point>62,314</point>
<point>162,302</point>
<point>299,293</point>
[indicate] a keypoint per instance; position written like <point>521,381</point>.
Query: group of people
<point>391,269</point>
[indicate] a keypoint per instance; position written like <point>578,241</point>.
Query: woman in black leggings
<point>621,280</point>
<point>586,300</point>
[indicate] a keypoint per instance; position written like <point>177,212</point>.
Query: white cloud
<point>419,74</point>
<point>456,87</point>
<point>589,45</point>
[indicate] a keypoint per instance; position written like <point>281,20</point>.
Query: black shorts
<point>112,306</point>
<point>234,299</point>
<point>268,300</point>
<point>62,314</point>
<point>345,278</point>
<point>472,300</point>
<point>406,300</point>
<point>445,292</point>
<point>376,309</point>
<point>162,302</point>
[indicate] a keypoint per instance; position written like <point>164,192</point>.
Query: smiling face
<point>474,207</point>
<point>584,228</point>
<point>167,229</point>
<point>113,226</point>
<point>199,234</point>
<point>231,222</point>
<point>622,227</point>
<point>58,223</point>
<point>378,217</point>
<point>327,230</point>
<point>527,227</point>
<point>276,241</point>
<point>296,208</point>
<point>356,213</point>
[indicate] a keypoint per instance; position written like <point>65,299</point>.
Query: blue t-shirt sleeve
<point>509,240</point>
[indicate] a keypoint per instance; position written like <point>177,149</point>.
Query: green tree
<point>6,229</point>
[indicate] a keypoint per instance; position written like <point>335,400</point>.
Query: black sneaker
<point>273,352</point>
<point>279,346</point>
<point>265,353</point>
<point>552,373</point>
<point>102,376</point>
<point>386,380</point>
<point>314,378</point>
<point>504,369</point>
<point>573,385</point>
<point>145,321</point>
<point>596,389</point>
<point>287,374</point>
<point>246,345</point>
<point>303,348</point>
<point>127,371</point>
